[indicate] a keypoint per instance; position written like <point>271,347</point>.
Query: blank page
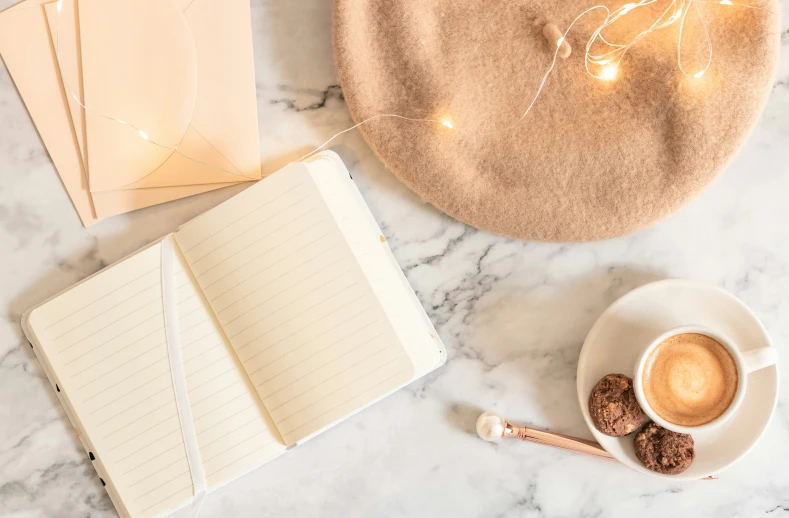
<point>234,431</point>
<point>105,342</point>
<point>294,303</point>
<point>372,252</point>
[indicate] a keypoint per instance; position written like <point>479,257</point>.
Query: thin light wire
<point>706,36</point>
<point>547,73</point>
<point>365,121</point>
<point>677,10</point>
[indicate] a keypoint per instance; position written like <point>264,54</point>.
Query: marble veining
<point>513,316</point>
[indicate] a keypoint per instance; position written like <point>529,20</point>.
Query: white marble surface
<point>512,314</point>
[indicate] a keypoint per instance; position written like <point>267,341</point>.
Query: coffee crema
<point>690,379</point>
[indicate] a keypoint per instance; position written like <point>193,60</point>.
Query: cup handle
<point>760,358</point>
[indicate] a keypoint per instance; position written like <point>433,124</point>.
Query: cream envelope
<point>64,34</point>
<point>28,54</point>
<point>175,78</point>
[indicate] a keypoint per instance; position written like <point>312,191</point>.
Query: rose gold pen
<point>493,427</point>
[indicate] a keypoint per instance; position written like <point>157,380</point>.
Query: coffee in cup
<point>690,379</point>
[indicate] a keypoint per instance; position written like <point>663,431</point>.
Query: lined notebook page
<point>104,341</point>
<point>234,431</point>
<point>294,303</point>
<point>369,246</point>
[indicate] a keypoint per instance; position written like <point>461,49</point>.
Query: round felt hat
<point>592,159</point>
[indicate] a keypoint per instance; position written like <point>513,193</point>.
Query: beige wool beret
<point>593,159</point>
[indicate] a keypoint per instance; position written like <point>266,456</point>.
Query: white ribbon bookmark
<point>179,378</point>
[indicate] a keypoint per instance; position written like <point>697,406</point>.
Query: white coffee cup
<point>746,363</point>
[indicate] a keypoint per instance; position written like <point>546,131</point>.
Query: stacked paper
<point>138,102</point>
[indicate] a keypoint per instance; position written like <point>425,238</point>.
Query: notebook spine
<point>83,439</point>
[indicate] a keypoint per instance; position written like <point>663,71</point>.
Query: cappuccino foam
<point>690,379</point>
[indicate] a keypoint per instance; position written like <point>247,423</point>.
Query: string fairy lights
<point>676,11</point>
<point>606,62</point>
<point>601,61</point>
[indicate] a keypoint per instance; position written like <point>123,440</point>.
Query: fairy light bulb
<point>726,2</point>
<point>60,5</point>
<point>609,73</point>
<point>143,134</point>
<point>560,41</point>
<point>447,124</point>
<point>677,15</point>
<point>628,7</point>
<point>698,74</point>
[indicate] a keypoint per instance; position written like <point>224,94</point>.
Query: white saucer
<point>631,322</point>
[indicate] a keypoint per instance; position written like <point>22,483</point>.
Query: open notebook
<point>250,329</point>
